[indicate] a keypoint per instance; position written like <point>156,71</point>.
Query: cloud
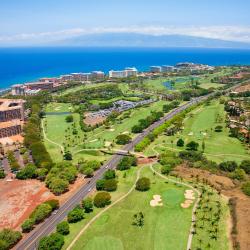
<point>229,33</point>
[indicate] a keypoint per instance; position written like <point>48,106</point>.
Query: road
<point>30,242</point>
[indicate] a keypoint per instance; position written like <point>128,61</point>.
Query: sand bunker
<point>125,132</point>
<point>189,196</point>
<point>191,133</point>
<point>107,143</point>
<point>93,140</point>
<point>112,130</point>
<point>157,201</point>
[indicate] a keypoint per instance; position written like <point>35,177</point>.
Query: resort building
<point>123,73</point>
<point>117,74</point>
<point>98,75</point>
<point>11,117</point>
<point>18,89</point>
<point>155,69</point>
<point>167,68</point>
<point>131,72</point>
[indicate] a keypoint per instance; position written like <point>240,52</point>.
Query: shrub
<point>126,162</point>
<point>123,139</point>
<point>191,156</point>
<point>2,174</point>
<point>246,166</point>
<point>110,185</point>
<point>75,215</point>
<point>69,118</point>
<point>192,146</point>
<point>41,212</point>
<point>238,174</point>
<point>218,128</point>
<point>143,184</point>
<point>63,228</point>
<point>88,172</point>
<point>67,156</point>
<point>28,172</point>
<point>180,143</point>
<point>9,238</point>
<point>87,204</point>
<point>100,185</point>
<point>58,186</point>
<point>102,199</point>
<point>41,173</point>
<point>109,174</point>
<point>246,188</point>
<point>55,241</point>
<point>166,169</point>
<point>28,225</point>
<point>53,203</point>
<point>228,166</point>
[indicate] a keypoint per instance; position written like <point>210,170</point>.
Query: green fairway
<point>165,227</point>
<point>83,145</point>
<point>199,126</point>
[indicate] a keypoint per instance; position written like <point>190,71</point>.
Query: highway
<point>30,242</point>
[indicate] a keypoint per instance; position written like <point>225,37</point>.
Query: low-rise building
<point>117,74</point>
<point>98,75</point>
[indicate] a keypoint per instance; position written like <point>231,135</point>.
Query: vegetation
<point>143,184</point>
<point>60,176</point>
<point>123,139</point>
<point>2,174</point>
<point>40,213</point>
<point>102,199</point>
<point>87,205</point>
<point>55,241</point>
<point>28,172</point>
<point>246,188</point>
<point>9,238</point>
<point>127,162</point>
<point>14,165</point>
<point>75,215</point>
<point>63,228</point>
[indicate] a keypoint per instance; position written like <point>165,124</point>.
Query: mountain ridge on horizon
<point>143,40</point>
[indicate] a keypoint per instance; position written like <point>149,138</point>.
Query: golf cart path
<point>47,139</point>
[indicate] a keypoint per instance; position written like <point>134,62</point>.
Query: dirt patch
<point>20,197</point>
<point>230,190</point>
<point>243,88</point>
<point>93,120</point>
<point>142,161</point>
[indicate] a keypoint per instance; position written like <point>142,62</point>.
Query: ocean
<point>19,65</point>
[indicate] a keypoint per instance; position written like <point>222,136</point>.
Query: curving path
<point>47,139</point>
<point>190,235</point>
<point>103,211</point>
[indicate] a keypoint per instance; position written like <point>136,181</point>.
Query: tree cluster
<point>127,162</point>
<point>89,167</point>
<point>40,213</point>
<point>60,176</point>
<point>9,238</point>
<point>108,182</point>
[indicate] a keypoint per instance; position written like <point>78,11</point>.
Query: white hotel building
<point>123,73</point>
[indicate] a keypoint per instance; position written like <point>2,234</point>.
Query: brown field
<point>230,190</point>
<point>243,88</point>
<point>92,121</point>
<point>20,197</point>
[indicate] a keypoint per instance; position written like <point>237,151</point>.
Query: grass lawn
<point>59,132</point>
<point>164,227</point>
<point>199,126</point>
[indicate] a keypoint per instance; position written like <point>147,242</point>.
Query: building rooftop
<point>10,123</point>
<point>9,104</point>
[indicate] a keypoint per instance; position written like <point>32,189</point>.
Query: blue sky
<point>30,20</point>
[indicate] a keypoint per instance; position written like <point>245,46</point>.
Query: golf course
<point>199,126</point>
